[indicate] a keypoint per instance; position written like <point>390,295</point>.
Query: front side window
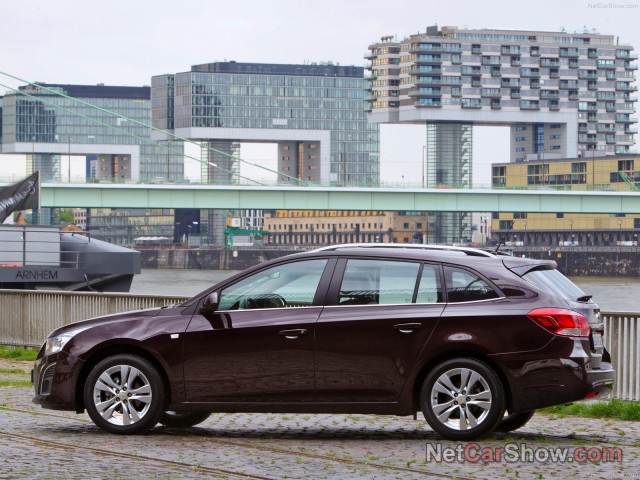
<point>465,286</point>
<point>378,282</point>
<point>283,286</point>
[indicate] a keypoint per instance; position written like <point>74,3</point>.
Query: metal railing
<point>27,317</point>
<point>622,340</point>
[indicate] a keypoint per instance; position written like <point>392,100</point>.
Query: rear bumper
<point>555,376</point>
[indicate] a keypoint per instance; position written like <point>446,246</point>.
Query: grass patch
<point>15,383</point>
<point>12,371</point>
<point>18,353</point>
<point>616,409</point>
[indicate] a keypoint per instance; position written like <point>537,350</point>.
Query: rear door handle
<point>407,327</point>
<point>293,333</point>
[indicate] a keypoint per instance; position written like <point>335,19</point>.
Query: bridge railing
<point>27,317</point>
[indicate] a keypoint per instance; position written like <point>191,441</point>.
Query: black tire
<point>183,419</point>
<point>451,410</point>
<point>124,405</point>
<point>513,421</point>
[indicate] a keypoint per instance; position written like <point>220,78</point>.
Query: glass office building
<point>315,113</point>
<point>44,123</point>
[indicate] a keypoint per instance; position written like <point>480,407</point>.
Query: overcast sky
<point>127,42</point>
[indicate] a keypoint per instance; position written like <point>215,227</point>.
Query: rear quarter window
<point>554,283</point>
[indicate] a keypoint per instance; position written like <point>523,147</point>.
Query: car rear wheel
<point>124,394</point>
<point>183,419</point>
<point>462,399</point>
<point>513,421</point>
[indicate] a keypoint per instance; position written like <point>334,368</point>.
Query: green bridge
<point>335,198</point>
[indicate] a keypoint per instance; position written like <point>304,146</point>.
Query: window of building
<point>313,145</point>
<point>285,147</point>
<point>559,215</point>
<point>286,169</point>
<point>405,225</point>
<point>555,147</point>
<point>521,149</point>
<point>521,139</point>
<point>554,137</point>
<point>521,128</point>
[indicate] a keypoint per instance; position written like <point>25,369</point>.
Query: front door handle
<point>293,333</point>
<point>407,327</point>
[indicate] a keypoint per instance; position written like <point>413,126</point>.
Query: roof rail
<point>418,246</point>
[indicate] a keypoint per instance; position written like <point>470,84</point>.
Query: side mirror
<point>210,303</point>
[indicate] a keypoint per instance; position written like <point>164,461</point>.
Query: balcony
<point>428,59</point>
<point>592,53</point>
<point>495,72</point>
<point>496,106</point>
<point>534,52</point>
<point>589,107</point>
<point>626,54</point>
<point>515,62</point>
<point>534,84</point>
<point>574,96</point>
<point>471,103</point>
<point>611,75</point>
<point>371,76</point>
<point>554,75</point>
<point>605,129</point>
<point>630,66</point>
<point>476,83</point>
<point>423,103</point>
<point>587,74</point>
<point>566,53</point>
<point>625,87</point>
<point>592,86</point>
<point>529,105</point>
<point>490,93</point>
<point>370,55</point>
<point>631,130</point>
<point>574,63</point>
<point>554,106</point>
<point>510,50</point>
<point>549,95</point>
<point>629,98</point>
<point>425,92</point>
<point>549,62</point>
<point>606,64</point>
<point>569,85</point>
<point>476,50</point>
<point>611,140</point>
<point>625,119</point>
<point>510,83</point>
<point>611,108</point>
<point>491,61</point>
<point>587,139</point>
<point>583,128</point>
<point>529,73</point>
<point>516,94</point>
<point>422,71</point>
<point>467,70</point>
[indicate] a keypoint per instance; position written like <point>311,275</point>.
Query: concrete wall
<point>210,259</point>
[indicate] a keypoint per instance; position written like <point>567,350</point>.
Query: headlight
<point>56,343</point>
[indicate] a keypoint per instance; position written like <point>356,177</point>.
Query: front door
<point>258,345</point>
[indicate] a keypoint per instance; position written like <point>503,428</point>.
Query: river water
<point>613,294</point>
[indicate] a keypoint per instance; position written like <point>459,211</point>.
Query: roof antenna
<point>505,235</point>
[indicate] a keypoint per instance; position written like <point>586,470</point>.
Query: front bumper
<point>54,381</point>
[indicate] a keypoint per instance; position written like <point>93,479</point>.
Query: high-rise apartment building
<point>562,94</point>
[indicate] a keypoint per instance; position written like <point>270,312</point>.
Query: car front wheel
<point>462,399</point>
<point>124,394</point>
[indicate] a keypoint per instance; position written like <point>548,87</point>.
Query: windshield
<point>554,282</point>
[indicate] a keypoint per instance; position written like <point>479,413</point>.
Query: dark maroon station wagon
<point>474,340</point>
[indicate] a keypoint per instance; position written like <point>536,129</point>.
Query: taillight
<point>561,322</point>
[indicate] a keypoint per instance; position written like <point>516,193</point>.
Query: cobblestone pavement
<point>36,443</point>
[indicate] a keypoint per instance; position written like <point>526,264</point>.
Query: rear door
<point>379,315</point>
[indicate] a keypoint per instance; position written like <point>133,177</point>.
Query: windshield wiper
<point>584,298</point>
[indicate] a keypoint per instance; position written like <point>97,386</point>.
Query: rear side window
<point>555,283</point>
<point>378,282</point>
<point>466,286</point>
<point>429,290</point>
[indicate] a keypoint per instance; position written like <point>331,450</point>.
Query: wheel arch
<point>108,351</point>
<point>461,353</point>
